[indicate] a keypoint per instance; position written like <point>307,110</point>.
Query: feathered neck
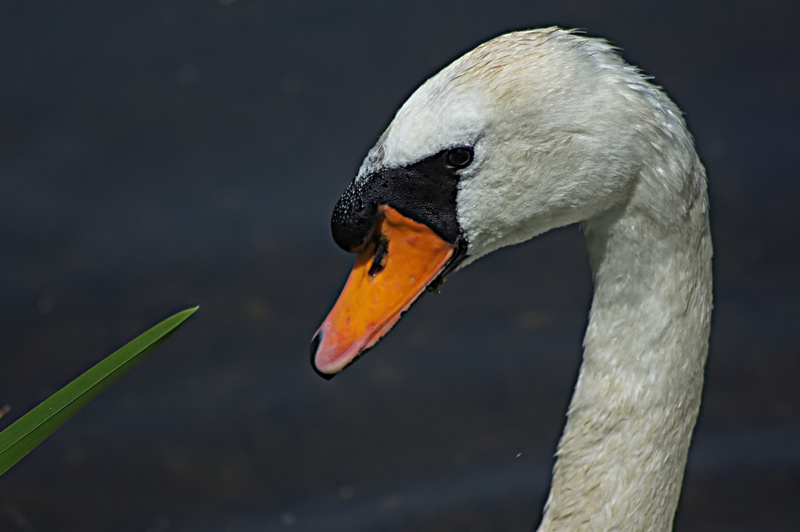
<point>621,459</point>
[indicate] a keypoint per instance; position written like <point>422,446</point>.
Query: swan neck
<point>621,459</point>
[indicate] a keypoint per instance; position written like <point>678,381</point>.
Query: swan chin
<point>402,259</point>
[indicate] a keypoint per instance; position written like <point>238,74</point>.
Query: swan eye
<point>458,157</point>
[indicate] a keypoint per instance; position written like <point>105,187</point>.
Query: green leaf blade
<point>30,430</point>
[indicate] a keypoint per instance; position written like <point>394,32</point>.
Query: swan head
<point>530,131</point>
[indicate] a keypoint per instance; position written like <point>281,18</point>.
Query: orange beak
<point>388,276</point>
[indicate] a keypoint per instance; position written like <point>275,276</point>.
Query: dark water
<point>156,155</point>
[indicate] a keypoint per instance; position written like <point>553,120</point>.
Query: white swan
<point>531,131</point>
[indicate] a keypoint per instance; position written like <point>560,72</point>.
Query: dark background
<point>157,155</point>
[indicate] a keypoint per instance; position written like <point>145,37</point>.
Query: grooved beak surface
<point>388,276</point>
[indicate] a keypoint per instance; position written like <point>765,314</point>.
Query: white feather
<point>565,131</point>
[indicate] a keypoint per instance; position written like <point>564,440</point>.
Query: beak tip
<point>314,347</point>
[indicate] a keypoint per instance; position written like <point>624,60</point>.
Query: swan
<point>527,132</point>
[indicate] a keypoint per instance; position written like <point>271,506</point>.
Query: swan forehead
<point>454,107</point>
<point>430,121</point>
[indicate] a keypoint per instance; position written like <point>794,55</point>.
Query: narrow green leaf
<point>31,429</point>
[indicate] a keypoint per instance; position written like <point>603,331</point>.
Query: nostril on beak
<point>314,346</point>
